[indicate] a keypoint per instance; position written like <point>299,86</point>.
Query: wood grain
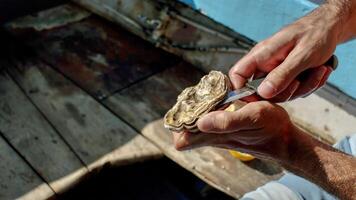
<point>96,135</point>
<point>18,180</point>
<point>34,138</point>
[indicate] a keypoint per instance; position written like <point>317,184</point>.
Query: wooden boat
<point>83,87</point>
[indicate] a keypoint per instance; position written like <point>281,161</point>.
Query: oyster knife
<point>249,89</point>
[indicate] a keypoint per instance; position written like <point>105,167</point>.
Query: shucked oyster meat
<point>196,101</point>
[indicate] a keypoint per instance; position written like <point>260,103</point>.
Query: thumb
<point>282,76</point>
<point>226,122</point>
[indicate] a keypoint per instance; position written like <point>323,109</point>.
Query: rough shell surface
<point>196,101</point>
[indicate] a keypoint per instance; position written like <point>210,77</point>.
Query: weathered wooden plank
<point>98,55</point>
<point>30,133</point>
<point>96,135</point>
<point>177,28</point>
<point>145,103</point>
<point>324,119</point>
<point>17,179</point>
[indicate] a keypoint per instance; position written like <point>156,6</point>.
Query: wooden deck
<point>83,93</point>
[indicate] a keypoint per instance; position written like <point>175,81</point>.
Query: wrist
<point>299,144</point>
<point>321,164</point>
<point>343,15</point>
<point>303,151</point>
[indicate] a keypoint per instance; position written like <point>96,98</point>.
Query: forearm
<point>327,167</point>
<point>344,14</point>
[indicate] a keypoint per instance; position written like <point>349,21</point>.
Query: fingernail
<point>182,142</point>
<point>266,89</point>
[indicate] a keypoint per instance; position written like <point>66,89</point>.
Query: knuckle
<point>222,121</point>
<point>278,78</point>
<point>263,108</point>
<point>260,48</point>
<point>233,71</point>
<point>268,114</point>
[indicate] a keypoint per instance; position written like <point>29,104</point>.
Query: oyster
<point>196,101</point>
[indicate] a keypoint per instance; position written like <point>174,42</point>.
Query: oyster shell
<point>196,101</point>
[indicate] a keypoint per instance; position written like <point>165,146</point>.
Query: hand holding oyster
<point>196,101</point>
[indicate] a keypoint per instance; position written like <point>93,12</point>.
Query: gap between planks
<point>95,134</point>
<point>16,171</point>
<point>29,132</point>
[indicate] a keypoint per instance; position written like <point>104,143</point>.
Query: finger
<point>180,140</point>
<point>284,96</point>
<point>282,76</point>
<point>287,93</point>
<point>252,98</point>
<point>243,70</point>
<point>243,141</point>
<point>227,122</point>
<point>186,140</point>
<point>326,76</point>
<point>259,74</point>
<point>177,136</point>
<point>311,82</point>
<point>264,56</point>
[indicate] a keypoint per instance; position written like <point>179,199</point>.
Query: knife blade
<point>249,89</point>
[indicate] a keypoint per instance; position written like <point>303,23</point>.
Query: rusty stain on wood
<point>176,28</point>
<point>98,56</point>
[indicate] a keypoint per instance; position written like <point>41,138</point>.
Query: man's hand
<point>260,128</point>
<point>305,44</point>
<point>265,130</point>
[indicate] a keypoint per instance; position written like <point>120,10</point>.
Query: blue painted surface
<point>259,19</point>
<point>189,2</point>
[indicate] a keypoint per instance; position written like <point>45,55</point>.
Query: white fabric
<point>272,190</point>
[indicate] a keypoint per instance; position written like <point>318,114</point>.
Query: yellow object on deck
<point>241,156</point>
